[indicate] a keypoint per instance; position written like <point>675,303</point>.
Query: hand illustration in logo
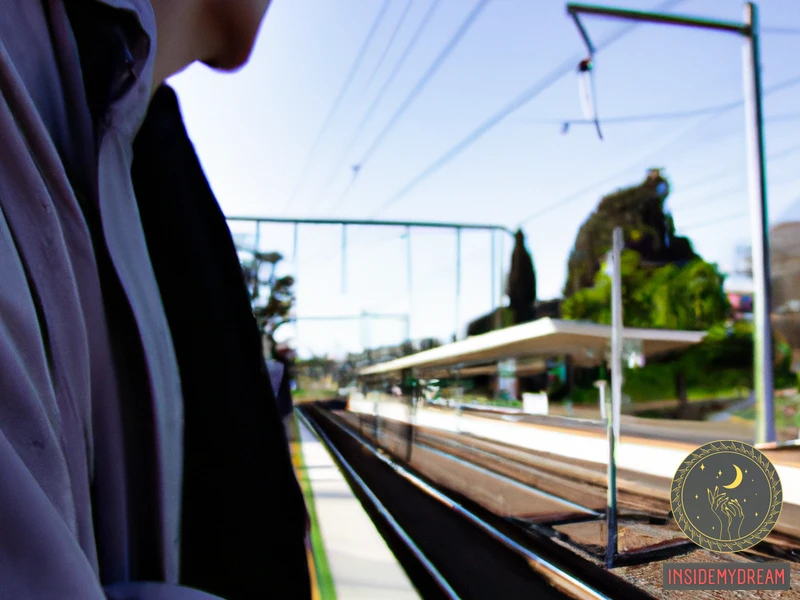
<point>733,510</point>
<point>729,513</point>
<point>717,500</point>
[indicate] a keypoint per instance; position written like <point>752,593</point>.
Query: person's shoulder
<point>275,369</point>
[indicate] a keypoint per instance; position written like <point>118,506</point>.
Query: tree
<point>521,292</point>
<point>691,297</point>
<point>688,297</point>
<point>521,288</point>
<point>639,210</point>
<point>273,308</point>
<point>594,303</point>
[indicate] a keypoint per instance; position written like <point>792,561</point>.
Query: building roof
<point>585,342</point>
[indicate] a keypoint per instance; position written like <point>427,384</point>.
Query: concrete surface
<point>362,565</point>
<point>657,457</point>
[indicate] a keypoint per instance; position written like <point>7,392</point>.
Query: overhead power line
<point>614,176</point>
<point>376,102</point>
<point>656,117</point>
<point>771,158</point>
<point>578,194</point>
<point>391,297</point>
<point>711,199</point>
<point>465,26</point>
<point>392,37</point>
<point>423,82</point>
<point>339,97</point>
<point>785,152</point>
<point>717,221</point>
<point>685,114</point>
<point>795,116</point>
<point>521,100</point>
<point>781,30</point>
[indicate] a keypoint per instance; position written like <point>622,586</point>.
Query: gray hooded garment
<point>76,522</point>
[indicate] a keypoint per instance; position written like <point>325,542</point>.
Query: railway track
<point>561,499</point>
<point>450,546</point>
<point>641,496</point>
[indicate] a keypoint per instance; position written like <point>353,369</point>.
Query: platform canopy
<point>586,343</point>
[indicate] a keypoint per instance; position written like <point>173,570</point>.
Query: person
<point>121,480</point>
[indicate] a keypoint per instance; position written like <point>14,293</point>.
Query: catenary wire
<point>381,93</point>
<point>390,42</point>
<point>576,195</point>
<point>421,84</point>
<point>338,100</point>
<point>522,99</point>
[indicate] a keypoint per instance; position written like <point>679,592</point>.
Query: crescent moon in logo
<point>736,481</point>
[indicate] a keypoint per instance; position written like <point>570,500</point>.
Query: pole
<point>611,497</point>
<point>294,246</point>
<point>616,331</point>
<point>296,261</point>
<point>501,291</point>
<point>344,259</point>
<point>493,241</point>
<point>601,386</point>
<point>570,375</point>
<point>616,396</point>
<point>762,355</point>
<point>412,410</point>
<point>410,283</point>
<point>458,280</point>
<point>757,175</point>
<point>637,15</point>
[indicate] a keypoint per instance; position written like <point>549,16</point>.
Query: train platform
<point>649,452</point>
<point>348,558</point>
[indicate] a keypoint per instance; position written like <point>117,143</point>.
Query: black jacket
<point>243,526</point>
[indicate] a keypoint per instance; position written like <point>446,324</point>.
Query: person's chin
<point>238,31</point>
<point>233,60</point>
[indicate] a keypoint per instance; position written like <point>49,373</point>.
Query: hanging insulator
<point>586,91</point>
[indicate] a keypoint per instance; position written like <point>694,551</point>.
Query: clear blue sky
<point>254,130</point>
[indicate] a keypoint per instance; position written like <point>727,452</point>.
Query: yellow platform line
<point>322,586</point>
<point>312,571</point>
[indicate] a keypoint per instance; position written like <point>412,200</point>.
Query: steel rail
<point>560,471</point>
<point>502,477</point>
<point>558,577</point>
<point>441,582</point>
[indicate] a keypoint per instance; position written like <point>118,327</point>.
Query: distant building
<point>784,240</point>
<point>739,290</point>
<point>785,267</point>
<point>785,281</point>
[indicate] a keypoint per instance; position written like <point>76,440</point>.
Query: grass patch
<point>787,412</point>
<point>301,395</point>
<point>496,402</point>
<point>321,575</point>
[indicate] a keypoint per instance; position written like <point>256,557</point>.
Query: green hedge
<point>720,366</point>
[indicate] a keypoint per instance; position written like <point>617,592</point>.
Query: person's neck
<point>183,37</point>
